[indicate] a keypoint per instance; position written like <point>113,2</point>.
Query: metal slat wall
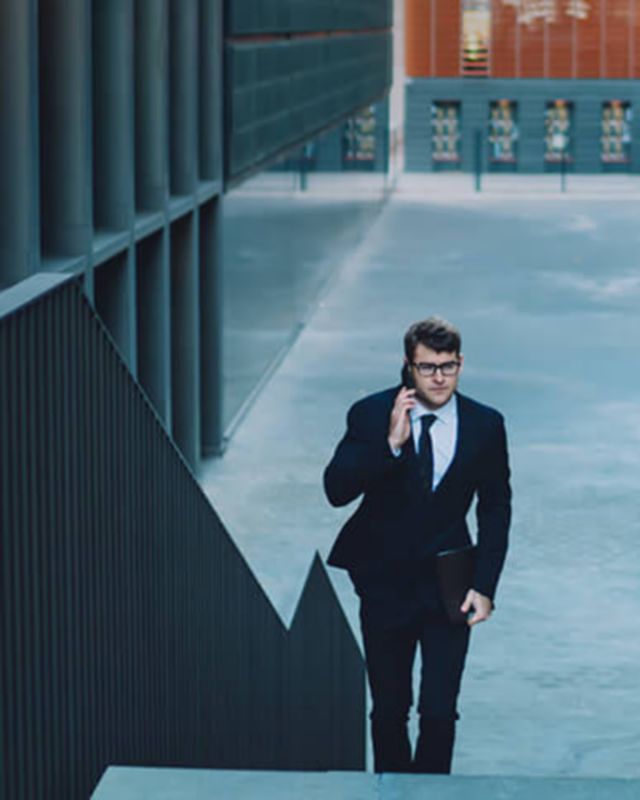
<point>294,67</point>
<point>280,93</point>
<point>296,16</point>
<point>132,630</point>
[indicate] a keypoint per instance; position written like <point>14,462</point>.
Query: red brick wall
<point>503,55</point>
<point>448,39</point>
<point>604,45</point>
<point>418,38</point>
<point>588,51</point>
<point>617,58</point>
<point>560,44</point>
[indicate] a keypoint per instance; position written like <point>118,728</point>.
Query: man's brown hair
<point>435,333</point>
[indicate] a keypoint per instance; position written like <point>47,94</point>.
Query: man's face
<point>435,390</point>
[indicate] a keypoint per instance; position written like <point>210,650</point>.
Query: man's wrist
<point>396,451</point>
<point>486,597</point>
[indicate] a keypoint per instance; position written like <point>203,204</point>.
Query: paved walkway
<point>546,290</point>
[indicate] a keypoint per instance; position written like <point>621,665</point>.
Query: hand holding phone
<point>400,421</point>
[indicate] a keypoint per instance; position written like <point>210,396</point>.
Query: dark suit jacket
<point>388,545</point>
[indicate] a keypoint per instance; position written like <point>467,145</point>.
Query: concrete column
<point>65,122</point>
<point>113,104</point>
<point>211,380</point>
<point>185,351</point>
<point>151,104</point>
<point>19,204</point>
<point>210,89</point>
<point>183,93</point>
<point>113,148</point>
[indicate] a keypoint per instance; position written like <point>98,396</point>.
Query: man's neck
<point>426,407</point>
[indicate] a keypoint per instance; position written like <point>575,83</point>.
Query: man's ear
<point>461,360</point>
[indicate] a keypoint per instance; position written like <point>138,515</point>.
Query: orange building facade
<point>525,38</point>
<point>539,83</point>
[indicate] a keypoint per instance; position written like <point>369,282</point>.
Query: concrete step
<point>129,783</point>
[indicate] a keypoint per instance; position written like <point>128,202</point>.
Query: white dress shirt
<point>443,432</point>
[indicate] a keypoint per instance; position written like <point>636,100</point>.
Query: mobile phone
<point>407,377</point>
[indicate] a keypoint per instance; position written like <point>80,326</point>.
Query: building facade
<point>522,85</point>
<point>147,287</point>
<point>125,131</point>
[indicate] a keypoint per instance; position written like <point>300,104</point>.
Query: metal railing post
<point>478,159</point>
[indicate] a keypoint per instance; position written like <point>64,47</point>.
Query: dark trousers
<point>390,653</point>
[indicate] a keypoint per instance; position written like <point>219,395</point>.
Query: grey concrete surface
<point>545,288</point>
<point>122,783</point>
<point>280,246</point>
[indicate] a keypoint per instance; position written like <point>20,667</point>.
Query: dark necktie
<point>425,453</point>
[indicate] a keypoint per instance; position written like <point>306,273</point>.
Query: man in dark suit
<point>418,454</point>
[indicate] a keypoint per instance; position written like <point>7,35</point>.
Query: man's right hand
<point>400,421</point>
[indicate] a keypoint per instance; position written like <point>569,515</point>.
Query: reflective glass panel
<point>558,121</point>
<point>476,36</point>
<point>285,232</point>
<point>445,132</point>
<point>359,140</point>
<point>616,132</point>
<point>503,132</point>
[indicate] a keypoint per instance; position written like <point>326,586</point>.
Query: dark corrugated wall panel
<point>132,630</point>
<point>281,92</point>
<point>295,16</point>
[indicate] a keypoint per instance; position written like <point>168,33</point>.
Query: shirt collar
<point>446,413</point>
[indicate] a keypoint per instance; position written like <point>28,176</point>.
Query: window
<point>476,36</point>
<point>616,132</point>
<point>359,140</point>
<point>503,132</point>
<point>558,131</point>
<point>445,132</point>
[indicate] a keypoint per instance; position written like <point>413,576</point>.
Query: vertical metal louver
<point>132,630</point>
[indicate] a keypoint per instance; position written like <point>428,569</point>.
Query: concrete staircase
<point>124,783</point>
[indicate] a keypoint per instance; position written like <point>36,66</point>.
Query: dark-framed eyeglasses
<point>428,370</point>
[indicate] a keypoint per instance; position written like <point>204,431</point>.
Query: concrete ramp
<point>124,783</point>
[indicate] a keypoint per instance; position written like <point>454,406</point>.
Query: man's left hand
<point>480,606</point>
